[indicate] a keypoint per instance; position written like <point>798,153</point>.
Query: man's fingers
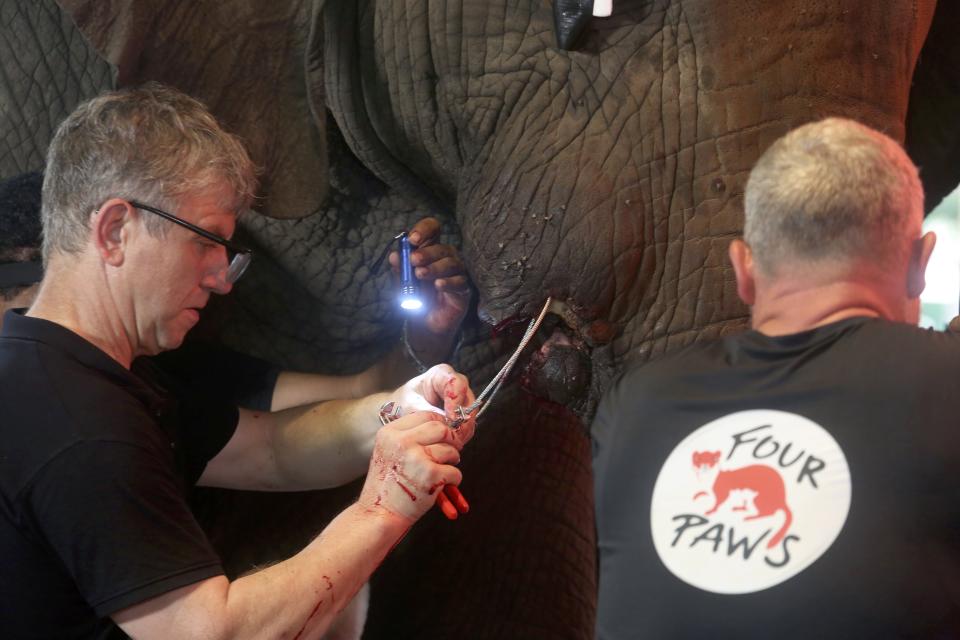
<point>433,432</point>
<point>470,395</point>
<point>444,379</point>
<point>456,391</point>
<point>435,390</point>
<point>443,453</point>
<point>424,232</point>
<point>457,285</point>
<point>450,475</point>
<point>424,402</point>
<point>443,368</point>
<point>464,433</point>
<point>414,418</point>
<point>432,384</point>
<point>424,256</point>
<point>442,268</point>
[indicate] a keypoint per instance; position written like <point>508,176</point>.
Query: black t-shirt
<point>94,468</point>
<point>219,372</point>
<point>802,486</point>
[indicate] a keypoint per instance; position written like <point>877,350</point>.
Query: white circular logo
<point>749,500</point>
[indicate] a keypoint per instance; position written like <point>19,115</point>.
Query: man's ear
<point>108,227</point>
<point>916,269</point>
<point>741,257</point>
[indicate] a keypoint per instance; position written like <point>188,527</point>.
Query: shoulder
<point>649,377</point>
<point>642,387</point>
<point>219,372</point>
<point>116,515</point>
<point>90,402</point>
<point>908,346</point>
<point>50,403</point>
<point>911,334</point>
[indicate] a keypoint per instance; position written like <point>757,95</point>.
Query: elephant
<point>604,168</point>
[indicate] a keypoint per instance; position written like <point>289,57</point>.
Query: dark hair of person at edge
<point>21,267</point>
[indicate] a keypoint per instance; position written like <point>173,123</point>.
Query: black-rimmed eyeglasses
<point>239,255</point>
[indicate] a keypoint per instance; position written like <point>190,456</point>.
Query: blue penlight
<point>409,298</point>
<point>409,292</point>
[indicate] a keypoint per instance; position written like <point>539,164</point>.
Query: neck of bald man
<point>806,296</point>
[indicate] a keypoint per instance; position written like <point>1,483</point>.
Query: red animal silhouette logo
<point>765,482</point>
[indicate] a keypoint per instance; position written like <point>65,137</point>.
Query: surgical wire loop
<point>494,385</point>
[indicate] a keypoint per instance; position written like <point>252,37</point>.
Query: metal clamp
<point>486,396</point>
<point>462,416</point>
<point>390,411</point>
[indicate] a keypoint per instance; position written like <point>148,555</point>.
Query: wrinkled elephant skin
<point>224,53</point>
<point>609,176</point>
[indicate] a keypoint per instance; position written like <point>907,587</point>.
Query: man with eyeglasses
<point>247,381</point>
<point>140,199</point>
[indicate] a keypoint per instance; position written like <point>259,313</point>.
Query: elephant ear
<point>47,69</point>
<point>348,37</point>
<point>245,60</point>
<point>117,29</point>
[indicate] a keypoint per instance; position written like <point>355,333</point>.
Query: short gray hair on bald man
<point>832,190</point>
<point>150,143</point>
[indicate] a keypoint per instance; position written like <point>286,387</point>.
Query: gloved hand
<point>442,390</point>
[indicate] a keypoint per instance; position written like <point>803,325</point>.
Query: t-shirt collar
<point>18,326</point>
<point>760,343</point>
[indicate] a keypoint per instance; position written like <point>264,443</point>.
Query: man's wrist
<point>389,522</point>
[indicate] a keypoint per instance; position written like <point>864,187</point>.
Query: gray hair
<point>150,143</point>
<point>832,190</point>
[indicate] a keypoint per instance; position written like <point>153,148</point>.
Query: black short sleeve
<point>115,516</point>
<point>237,377</point>
<point>204,426</point>
<point>198,413</point>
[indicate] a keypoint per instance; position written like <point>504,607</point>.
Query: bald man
<point>798,480</point>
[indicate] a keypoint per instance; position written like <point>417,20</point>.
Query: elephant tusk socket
<point>561,309</point>
<point>486,396</point>
<point>602,8</point>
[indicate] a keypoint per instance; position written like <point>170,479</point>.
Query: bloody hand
<point>413,456</point>
<point>440,382</point>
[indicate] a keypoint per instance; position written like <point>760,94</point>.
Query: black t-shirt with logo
<point>95,465</point>
<point>801,486</point>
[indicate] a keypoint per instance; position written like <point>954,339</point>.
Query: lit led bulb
<point>409,292</point>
